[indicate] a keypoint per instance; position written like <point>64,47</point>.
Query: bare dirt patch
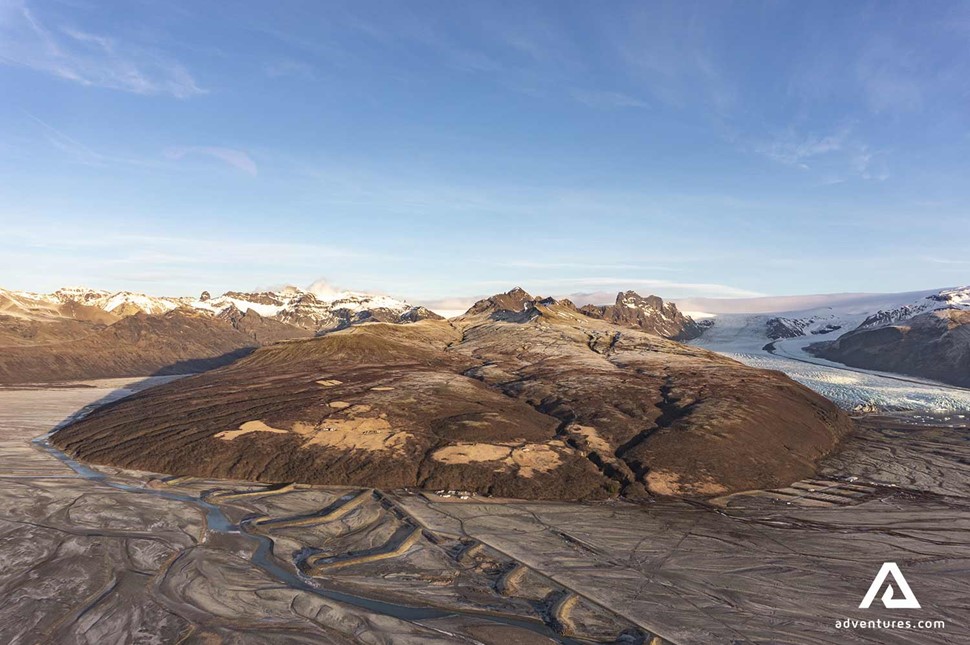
<point>361,433</point>
<point>527,458</point>
<point>662,482</point>
<point>248,428</point>
<point>355,433</point>
<point>593,439</point>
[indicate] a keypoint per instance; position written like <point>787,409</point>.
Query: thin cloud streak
<point>238,159</point>
<point>607,100</point>
<point>89,59</point>
<point>64,143</point>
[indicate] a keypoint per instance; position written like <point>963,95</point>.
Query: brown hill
<point>933,345</point>
<point>19,331</point>
<point>177,342</point>
<point>519,397</point>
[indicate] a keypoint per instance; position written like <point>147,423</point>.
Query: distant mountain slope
<point>176,342</point>
<point>650,314</point>
<point>262,330</point>
<point>520,396</point>
<point>119,303</point>
<point>46,308</point>
<point>934,345</point>
<point>289,305</point>
<point>77,333</point>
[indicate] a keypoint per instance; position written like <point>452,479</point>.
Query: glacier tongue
<point>777,340</point>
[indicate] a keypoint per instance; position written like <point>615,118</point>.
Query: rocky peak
<point>650,313</point>
<point>516,300</point>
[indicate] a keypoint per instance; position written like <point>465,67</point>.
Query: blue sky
<point>451,149</point>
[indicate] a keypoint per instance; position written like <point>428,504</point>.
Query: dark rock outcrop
<point>650,314</point>
<point>778,328</point>
<point>933,345</point>
<point>261,329</point>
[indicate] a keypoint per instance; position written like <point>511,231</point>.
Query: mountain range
<point>77,333</point>
<point>521,396</point>
<point>312,311</point>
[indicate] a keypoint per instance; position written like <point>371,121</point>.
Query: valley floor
<point>103,556</point>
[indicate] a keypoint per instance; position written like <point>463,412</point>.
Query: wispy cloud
<point>531,264</point>
<point>890,76</point>
<point>175,263</point>
<point>797,150</point>
<point>80,152</point>
<point>87,58</point>
<point>572,286</point>
<point>238,159</point>
<point>83,154</point>
<point>607,99</point>
<point>947,261</point>
<point>72,147</point>
<point>837,155</point>
<point>139,247</point>
<point>288,67</point>
<point>449,307</point>
<point>669,47</point>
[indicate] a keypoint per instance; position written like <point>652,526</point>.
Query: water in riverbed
<point>28,414</point>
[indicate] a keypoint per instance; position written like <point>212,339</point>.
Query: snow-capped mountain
<point>830,316</point>
<point>846,317</point>
<point>119,303</point>
<point>289,305</point>
<point>319,312</point>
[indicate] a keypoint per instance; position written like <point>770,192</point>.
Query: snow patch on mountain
<point>122,303</point>
<point>321,311</point>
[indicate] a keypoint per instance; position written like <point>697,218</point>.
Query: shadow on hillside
<point>158,378</point>
<point>139,383</point>
<point>128,388</point>
<point>197,365</point>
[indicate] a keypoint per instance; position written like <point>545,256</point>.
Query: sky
<point>442,150</point>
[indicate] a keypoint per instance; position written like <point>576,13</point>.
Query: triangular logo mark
<point>908,601</point>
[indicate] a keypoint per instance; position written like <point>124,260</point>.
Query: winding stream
<point>218,523</point>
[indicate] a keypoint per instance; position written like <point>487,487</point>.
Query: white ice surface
<point>743,337</point>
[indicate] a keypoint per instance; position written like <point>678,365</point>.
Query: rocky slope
<point>933,345</point>
<point>520,397</point>
<point>650,314</point>
<point>177,342</point>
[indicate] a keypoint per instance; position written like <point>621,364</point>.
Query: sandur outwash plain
<point>525,473</point>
